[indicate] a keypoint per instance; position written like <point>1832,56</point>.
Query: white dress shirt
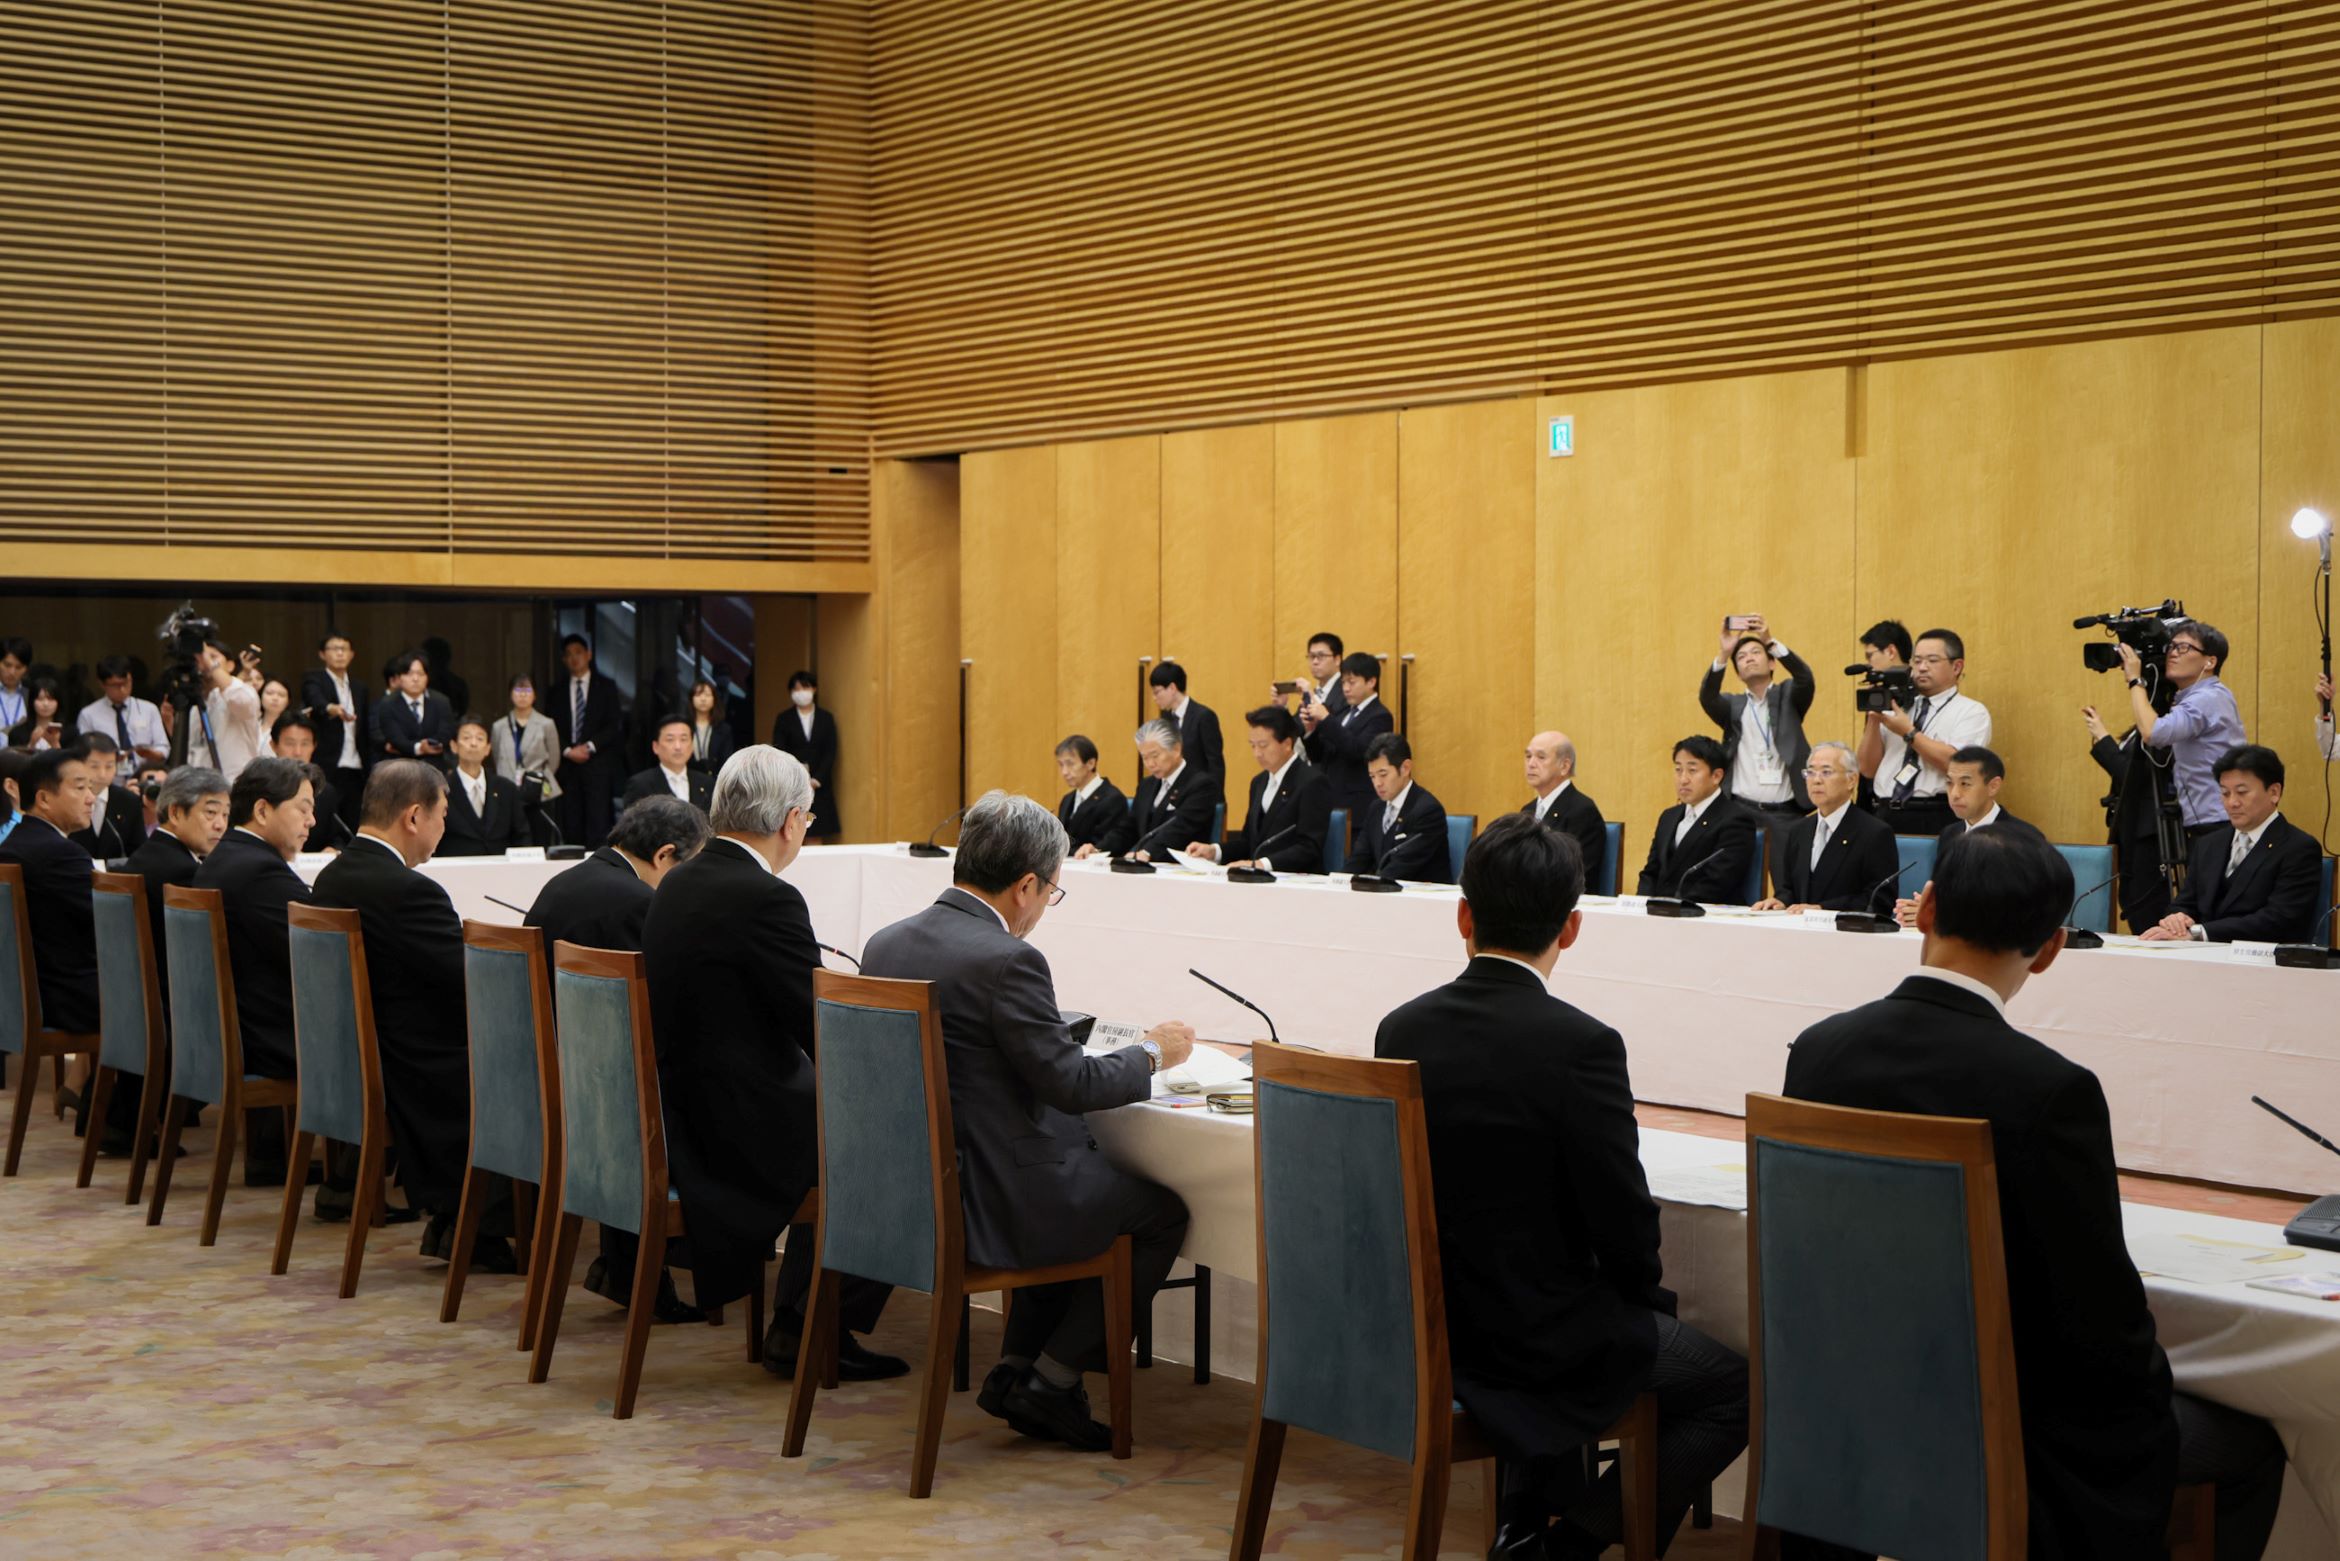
<point>678,781</point>
<point>1395,806</point>
<point>1965,983</point>
<point>1691,814</point>
<point>1088,790</point>
<point>1951,718</point>
<point>1544,807</point>
<point>754,855</point>
<point>235,738</point>
<point>1275,782</point>
<point>1825,829</point>
<point>1162,797</point>
<point>475,787</point>
<point>139,716</point>
<point>351,758</point>
<point>1988,819</point>
<point>804,718</point>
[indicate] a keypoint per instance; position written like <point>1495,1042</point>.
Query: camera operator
<point>1906,752</point>
<point>1884,646</point>
<point>2203,722</point>
<point>227,734</point>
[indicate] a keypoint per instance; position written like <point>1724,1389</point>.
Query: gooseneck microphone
<point>1871,921</point>
<point>1239,997</point>
<point>2311,956</point>
<point>1261,874</point>
<point>929,848</point>
<point>2317,1225</point>
<point>831,948</point>
<point>507,905</point>
<point>2077,937</point>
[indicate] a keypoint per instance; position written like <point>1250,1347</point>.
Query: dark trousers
<point>586,803</point>
<point>859,1301</point>
<point>2145,896</point>
<point>1918,816</point>
<point>349,791</point>
<point>1067,1322</point>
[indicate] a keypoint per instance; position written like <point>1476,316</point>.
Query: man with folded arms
<point>1547,1236</point>
<point>1037,1191</point>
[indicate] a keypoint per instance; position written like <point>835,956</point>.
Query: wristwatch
<point>2133,682</point>
<point>1153,1050</point>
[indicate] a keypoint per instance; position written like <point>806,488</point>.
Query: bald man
<point>1559,805</point>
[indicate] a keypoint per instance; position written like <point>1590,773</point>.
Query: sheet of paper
<point>1722,1185</point>
<point>1195,864</point>
<point>2209,1260</point>
<point>1205,1068</point>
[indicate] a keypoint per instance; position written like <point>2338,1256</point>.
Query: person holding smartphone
<point>1764,746</point>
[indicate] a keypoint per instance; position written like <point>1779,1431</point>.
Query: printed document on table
<point>1719,1186</point>
<point>2209,1260</point>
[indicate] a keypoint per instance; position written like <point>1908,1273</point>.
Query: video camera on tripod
<point>1882,688</point>
<point>2145,630</point>
<point>182,635</point>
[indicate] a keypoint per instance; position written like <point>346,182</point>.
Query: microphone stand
<point>1240,998</point>
<point>1261,874</point>
<point>2317,1225</point>
<point>2309,956</point>
<point>2077,937</point>
<point>929,848</point>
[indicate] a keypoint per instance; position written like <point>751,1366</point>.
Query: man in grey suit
<point>1764,747</point>
<point>1035,1187</point>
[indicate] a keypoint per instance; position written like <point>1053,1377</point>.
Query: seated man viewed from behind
<point>2105,1442</point>
<point>1547,1236</point>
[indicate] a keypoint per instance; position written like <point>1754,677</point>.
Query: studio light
<point>2309,524</point>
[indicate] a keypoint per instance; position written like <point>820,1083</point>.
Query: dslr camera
<point>2145,630</point>
<point>1881,688</point>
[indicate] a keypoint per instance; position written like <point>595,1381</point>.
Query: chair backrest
<point>1751,887</point>
<point>889,1175</point>
<point>1336,840</point>
<point>613,1124</point>
<point>130,1016</point>
<point>1877,1280</point>
<point>1916,853</point>
<point>1460,827</point>
<point>1351,1300</point>
<point>20,993</point>
<point>2092,870</point>
<point>333,1023</point>
<point>1613,860</point>
<point>207,1050</point>
<point>507,1001</point>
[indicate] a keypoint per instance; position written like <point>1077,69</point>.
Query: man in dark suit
<point>1835,858</point>
<point>1547,1235</point>
<point>672,776</point>
<point>1197,723</point>
<point>1704,844</point>
<point>340,716</point>
<point>1559,804</point>
<point>191,813</point>
<point>1975,777</point>
<point>484,816</point>
<point>1764,747</point>
<point>117,821</point>
<point>591,722</point>
<point>1284,826</point>
<point>1338,742</point>
<point>1176,802</point>
<point>1404,834</point>
<point>412,721</point>
<point>1320,689</point>
<point>295,738</point>
<point>270,813</point>
<point>1037,1191</point>
<point>58,790</point>
<point>808,734</point>
<point>1095,815</point>
<point>2105,1446</point>
<point>602,903</point>
<point>2255,878</point>
<point>414,957</point>
<point>729,948</point>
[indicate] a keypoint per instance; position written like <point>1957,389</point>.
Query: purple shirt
<point>2201,726</point>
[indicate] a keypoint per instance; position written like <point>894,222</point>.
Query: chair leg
<point>1490,1502</point>
<point>101,1089</point>
<point>1118,1308</point>
<point>523,1222</point>
<point>365,1206</point>
<point>1637,1481</point>
<point>1260,1462</point>
<point>649,1258</point>
<point>755,1318</point>
<point>1202,1326</point>
<point>961,1361</point>
<point>467,1217</point>
<point>1758,1542</point>
<point>547,1231</point>
<point>174,1122</point>
<point>941,1341</point>
<point>25,1090</point>
<point>1426,1504</point>
<point>560,1260</point>
<point>1145,1340</point>
<point>150,1095</point>
<point>820,1322</point>
<point>296,1181</point>
<point>223,1158</point>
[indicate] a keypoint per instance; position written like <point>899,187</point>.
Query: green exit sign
<point>1562,439</point>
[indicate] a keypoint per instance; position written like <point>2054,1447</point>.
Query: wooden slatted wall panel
<point>465,276</point>
<point>1090,218</point>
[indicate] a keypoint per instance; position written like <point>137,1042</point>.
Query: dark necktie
<point>122,730</point>
<point>576,709</point>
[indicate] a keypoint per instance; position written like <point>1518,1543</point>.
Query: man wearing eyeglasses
<point>2203,722</point>
<point>1907,752</point>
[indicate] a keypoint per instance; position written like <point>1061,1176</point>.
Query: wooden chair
<point>207,1059</point>
<point>132,1039</point>
<point>22,1034</point>
<point>1352,1303</point>
<point>341,1099</point>
<point>1842,1342</point>
<point>888,1156</point>
<point>613,1166</point>
<point>515,1106</point>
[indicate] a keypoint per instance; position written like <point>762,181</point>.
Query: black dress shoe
<point>1520,1542</point>
<point>670,1307</point>
<point>857,1362</point>
<point>434,1242</point>
<point>493,1255</point>
<point>264,1173</point>
<point>1037,1408</point>
<point>992,1397</point>
<point>116,1143</point>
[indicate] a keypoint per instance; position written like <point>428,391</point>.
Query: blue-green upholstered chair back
<point>325,1035</point>
<point>507,1111</point>
<point>122,1014</point>
<point>603,1176</point>
<point>1337,1287</point>
<point>877,1147</point>
<point>1613,861</point>
<point>2092,866</point>
<point>16,977</point>
<point>1917,861</point>
<point>1868,1308</point>
<point>1459,829</point>
<point>1336,840</point>
<point>1751,888</point>
<point>199,1051</point>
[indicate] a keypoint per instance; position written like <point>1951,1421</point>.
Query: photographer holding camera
<point>1906,749</point>
<point>227,733</point>
<point>2203,720</point>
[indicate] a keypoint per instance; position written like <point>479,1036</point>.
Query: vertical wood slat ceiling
<point>453,275</point>
<point>1090,218</point>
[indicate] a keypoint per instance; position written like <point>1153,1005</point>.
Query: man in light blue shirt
<point>2202,723</point>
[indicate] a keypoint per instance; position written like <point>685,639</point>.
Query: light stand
<point>2310,524</point>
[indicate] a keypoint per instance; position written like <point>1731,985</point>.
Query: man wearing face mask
<point>808,734</point>
<point>1019,1083</point>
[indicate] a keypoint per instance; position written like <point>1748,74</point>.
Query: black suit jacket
<point>652,783</point>
<point>2006,820</point>
<point>601,903</point>
<point>1185,819</point>
<point>1334,703</point>
<point>1303,806</point>
<point>117,830</point>
<point>1342,740</point>
<point>1547,1235</point>
<point>721,744</point>
<point>164,861</point>
<point>1035,1187</point>
<point>329,833</point>
<point>503,826</point>
<point>2100,1441</point>
<point>1711,862</point>
<point>317,695</point>
<point>1859,870</point>
<point>604,728</point>
<point>64,926</point>
<point>414,963</point>
<point>818,753</point>
<point>255,885</point>
<point>1785,704</point>
<point>730,953</point>
<point>1579,818</point>
<point>1104,821</point>
<point>2270,898</point>
<point>1417,850</point>
<point>396,731</point>
<point>1199,739</point>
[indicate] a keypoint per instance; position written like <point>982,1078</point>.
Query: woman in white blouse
<point>524,741</point>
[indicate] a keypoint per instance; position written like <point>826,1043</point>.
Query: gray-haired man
<point>1177,802</point>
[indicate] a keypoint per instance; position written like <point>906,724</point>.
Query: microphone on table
<point>1240,998</point>
<point>1870,921</point>
<point>930,848</point>
<point>2085,937</point>
<point>506,904</point>
<point>1126,863</point>
<point>831,948</point>
<point>2307,956</point>
<point>1679,904</point>
<point>1261,874</point>
<point>2317,1225</point>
